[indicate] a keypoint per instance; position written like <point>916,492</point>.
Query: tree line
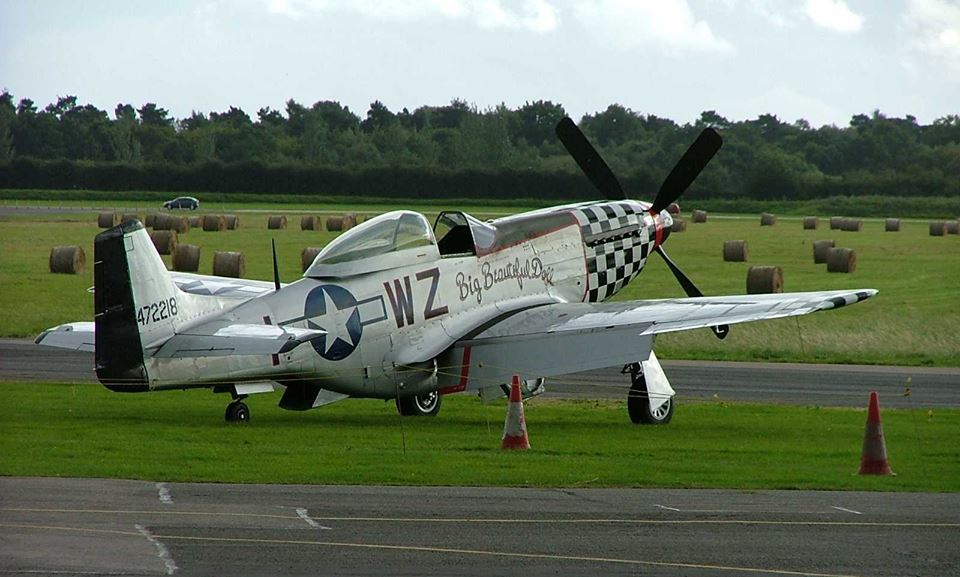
<point>459,151</point>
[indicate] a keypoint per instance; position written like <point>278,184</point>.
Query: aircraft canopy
<point>375,240</point>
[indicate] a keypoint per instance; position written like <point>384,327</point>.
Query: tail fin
<point>137,305</point>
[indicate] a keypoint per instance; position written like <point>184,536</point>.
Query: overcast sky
<point>822,60</point>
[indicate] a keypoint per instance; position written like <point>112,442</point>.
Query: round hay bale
<point>349,221</point>
<point>107,219</point>
<point>679,225</point>
<point>699,216</point>
<point>891,225</point>
<point>852,224</point>
<point>841,260</point>
<point>764,279</point>
<point>735,250</point>
<point>836,222</point>
<point>229,264</point>
<point>214,222</point>
<point>307,255</point>
<point>953,227</point>
<point>820,250</point>
<point>232,220</point>
<point>277,222</point>
<point>129,216</point>
<point>767,219</point>
<point>162,222</point>
<point>186,258</point>
<point>811,223</point>
<point>165,240</point>
<point>150,220</point>
<point>938,228</point>
<point>180,224</point>
<point>195,221</point>
<point>334,223</point>
<point>67,259</point>
<point>308,222</point>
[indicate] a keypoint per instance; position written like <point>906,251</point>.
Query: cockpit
<point>462,235</point>
<point>404,237</point>
<point>386,241</point>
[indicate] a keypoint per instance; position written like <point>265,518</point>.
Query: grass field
<point>913,321</point>
<point>87,431</point>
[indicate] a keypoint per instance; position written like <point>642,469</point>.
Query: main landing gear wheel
<point>237,412</point>
<point>425,405</point>
<point>638,403</point>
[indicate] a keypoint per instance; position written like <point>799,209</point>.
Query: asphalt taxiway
<point>115,527</point>
<point>785,383</point>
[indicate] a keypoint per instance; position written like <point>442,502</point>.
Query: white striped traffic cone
<point>874,459</point>
<point>515,426</point>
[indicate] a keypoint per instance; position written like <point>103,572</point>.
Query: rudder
<point>132,311</point>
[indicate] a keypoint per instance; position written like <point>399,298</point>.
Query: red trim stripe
<point>464,373</point>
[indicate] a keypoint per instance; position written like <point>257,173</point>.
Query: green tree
<point>379,117</point>
<point>613,126</point>
<point>124,139</point>
<point>151,115</point>
<point>536,122</point>
<point>485,139</point>
<point>8,116</point>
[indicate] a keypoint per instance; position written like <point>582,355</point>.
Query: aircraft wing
<point>562,338</point>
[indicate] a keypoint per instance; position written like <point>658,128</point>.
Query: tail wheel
<point>425,405</point>
<point>237,412</point>
<point>638,405</point>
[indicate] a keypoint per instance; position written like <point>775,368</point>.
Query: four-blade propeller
<point>693,161</point>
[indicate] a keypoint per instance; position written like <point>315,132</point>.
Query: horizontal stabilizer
<point>219,338</point>
<point>73,336</point>
<point>218,286</point>
<point>208,340</point>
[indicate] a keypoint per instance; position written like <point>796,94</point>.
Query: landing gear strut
<point>638,400</point>
<point>237,411</point>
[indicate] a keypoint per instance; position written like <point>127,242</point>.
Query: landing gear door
<point>659,390</point>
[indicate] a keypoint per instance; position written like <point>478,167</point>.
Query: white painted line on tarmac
<point>439,550</point>
<point>742,511</point>
<point>164,494</point>
<point>844,509</point>
<point>302,513</point>
<point>162,552</point>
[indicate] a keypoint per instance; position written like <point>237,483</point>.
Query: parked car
<point>182,202</point>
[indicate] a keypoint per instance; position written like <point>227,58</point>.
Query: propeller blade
<point>691,289</point>
<point>694,160</point>
<point>276,270</point>
<point>687,284</point>
<point>589,160</point>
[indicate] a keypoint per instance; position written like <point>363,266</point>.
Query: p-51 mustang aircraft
<point>399,309</point>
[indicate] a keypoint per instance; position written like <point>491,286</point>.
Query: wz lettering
<point>400,295</point>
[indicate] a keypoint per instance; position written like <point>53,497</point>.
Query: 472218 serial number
<point>158,311</point>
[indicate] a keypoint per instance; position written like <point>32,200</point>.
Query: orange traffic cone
<point>515,426</point>
<point>874,460</point>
